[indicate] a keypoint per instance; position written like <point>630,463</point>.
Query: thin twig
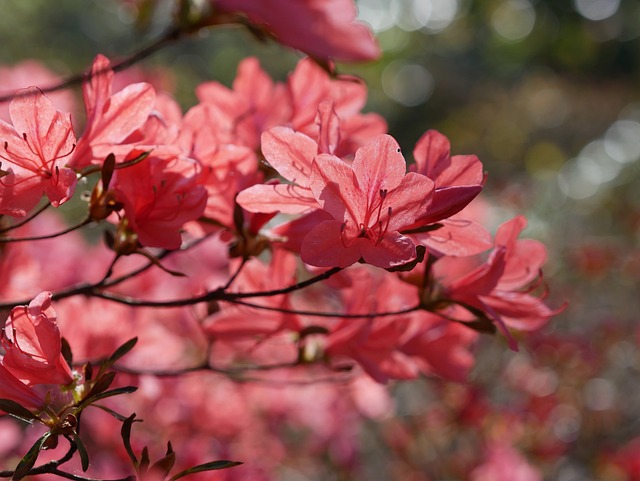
<point>5,240</point>
<point>26,219</point>
<point>170,36</point>
<point>302,312</point>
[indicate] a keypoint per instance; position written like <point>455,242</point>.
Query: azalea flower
<point>321,28</point>
<point>501,286</point>
<point>33,345</point>
<point>11,388</point>
<point>33,154</point>
<point>159,195</point>
<point>370,202</point>
<point>111,118</point>
<point>459,179</point>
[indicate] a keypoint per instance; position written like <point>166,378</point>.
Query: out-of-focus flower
<point>324,29</point>
<point>504,463</point>
<point>501,286</point>
<point>33,345</point>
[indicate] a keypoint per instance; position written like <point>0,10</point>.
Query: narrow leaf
<point>82,451</point>
<point>17,411</point>
<point>88,372</point>
<point>115,414</point>
<point>107,170</point>
<point>164,465</point>
<point>66,352</point>
<point>482,325</point>
<point>212,466</point>
<point>104,395</point>
<point>121,351</point>
<point>101,384</point>
<point>29,459</point>
<point>125,432</point>
<point>144,462</point>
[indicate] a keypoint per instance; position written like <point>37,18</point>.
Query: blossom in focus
<point>111,118</point>
<point>34,154</point>
<point>159,195</point>
<point>370,201</point>
<point>459,179</point>
<point>11,388</point>
<point>33,345</point>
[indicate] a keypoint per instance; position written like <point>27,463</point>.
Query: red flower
<point>370,202</point>
<point>321,28</point>
<point>34,154</point>
<point>501,286</point>
<point>11,388</point>
<point>111,118</point>
<point>33,346</point>
<point>159,196</point>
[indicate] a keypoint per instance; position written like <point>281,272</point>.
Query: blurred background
<point>547,94</point>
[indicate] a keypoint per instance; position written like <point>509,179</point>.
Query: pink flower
<point>33,346</point>
<point>321,28</point>
<point>370,202</point>
<point>11,388</point>
<point>111,118</point>
<point>504,463</point>
<point>256,103</point>
<point>458,180</point>
<point>32,72</point>
<point>159,196</point>
<point>36,148</point>
<point>245,322</point>
<point>501,286</point>
<point>309,85</point>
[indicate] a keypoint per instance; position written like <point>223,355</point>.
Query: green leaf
<point>115,414</point>
<point>121,351</point>
<point>17,410</point>
<point>66,352</point>
<point>125,432</point>
<point>144,462</point>
<point>164,465</point>
<point>101,384</point>
<point>82,451</point>
<point>29,459</point>
<point>104,395</point>
<point>212,466</point>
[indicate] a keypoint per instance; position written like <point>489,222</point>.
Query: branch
<point>170,36</point>
<point>87,289</point>
<point>26,219</point>
<point>5,240</point>
<point>216,295</point>
<point>302,312</point>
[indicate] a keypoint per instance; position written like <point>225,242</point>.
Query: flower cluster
<point>279,225</point>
